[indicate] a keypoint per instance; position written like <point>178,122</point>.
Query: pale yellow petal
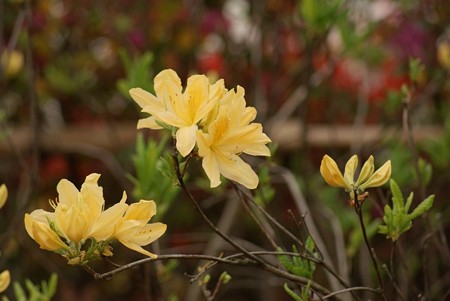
<point>234,168</point>
<point>168,88</point>
<point>3,195</point>
<point>331,173</point>
<point>379,177</point>
<point>67,192</point>
<point>204,142</point>
<point>196,98</point>
<point>186,138</point>
<point>257,150</point>
<point>40,216</point>
<point>104,227</point>
<point>43,234</point>
<point>366,171</point>
<point>142,211</point>
<point>137,248</point>
<point>142,97</point>
<point>149,233</point>
<point>73,222</point>
<point>211,168</point>
<point>149,123</point>
<point>248,116</point>
<point>5,279</point>
<point>350,168</point>
<point>92,195</point>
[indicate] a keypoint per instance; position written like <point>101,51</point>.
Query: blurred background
<point>337,77</point>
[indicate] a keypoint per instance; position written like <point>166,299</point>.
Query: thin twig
<point>311,256</point>
<point>266,266</point>
<point>351,289</point>
<point>358,207</point>
<point>399,292</point>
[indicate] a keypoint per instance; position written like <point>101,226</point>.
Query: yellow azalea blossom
<point>11,63</point>
<point>133,230</point>
<point>443,54</point>
<point>37,226</point>
<point>78,215</point>
<point>5,279</point>
<point>172,106</point>
<point>366,179</point>
<point>81,208</point>
<point>227,136</point>
<point>3,195</point>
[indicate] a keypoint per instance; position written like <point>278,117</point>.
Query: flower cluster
<point>208,116</point>
<point>5,277</point>
<point>367,178</point>
<point>79,216</point>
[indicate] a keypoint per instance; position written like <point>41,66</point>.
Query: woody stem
<point>373,256</point>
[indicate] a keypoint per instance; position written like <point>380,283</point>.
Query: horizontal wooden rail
<point>286,135</point>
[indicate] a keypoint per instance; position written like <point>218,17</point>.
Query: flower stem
<point>373,256</point>
<point>261,262</point>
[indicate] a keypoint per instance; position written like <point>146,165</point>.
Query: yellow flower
<point>77,211</point>
<point>11,63</point>
<point>133,230</point>
<point>5,279</point>
<point>366,179</point>
<point>37,226</point>
<point>172,106</point>
<point>3,195</point>
<point>229,135</point>
<point>443,54</point>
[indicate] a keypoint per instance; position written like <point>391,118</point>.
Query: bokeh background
<point>333,76</point>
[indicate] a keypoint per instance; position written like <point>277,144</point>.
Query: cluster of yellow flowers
<point>215,119</point>
<point>367,178</point>
<point>80,216</point>
<point>5,277</point>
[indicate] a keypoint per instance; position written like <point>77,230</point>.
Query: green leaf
<point>415,69</point>
<point>397,220</point>
<point>19,292</point>
<point>423,207</point>
<point>409,201</point>
<point>397,197</point>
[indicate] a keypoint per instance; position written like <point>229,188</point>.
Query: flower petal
<point>379,177</point>
<point>234,168</point>
<point>67,192</point>
<point>350,168</point>
<point>5,279</point>
<point>142,97</point>
<point>137,248</point>
<point>366,171</point>
<point>3,195</point>
<point>104,227</point>
<point>149,122</point>
<point>142,211</point>
<point>43,234</point>
<point>186,138</point>
<point>330,172</point>
<point>149,233</point>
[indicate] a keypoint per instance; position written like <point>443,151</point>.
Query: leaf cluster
<point>44,292</point>
<point>148,183</point>
<point>396,218</point>
<point>297,265</point>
